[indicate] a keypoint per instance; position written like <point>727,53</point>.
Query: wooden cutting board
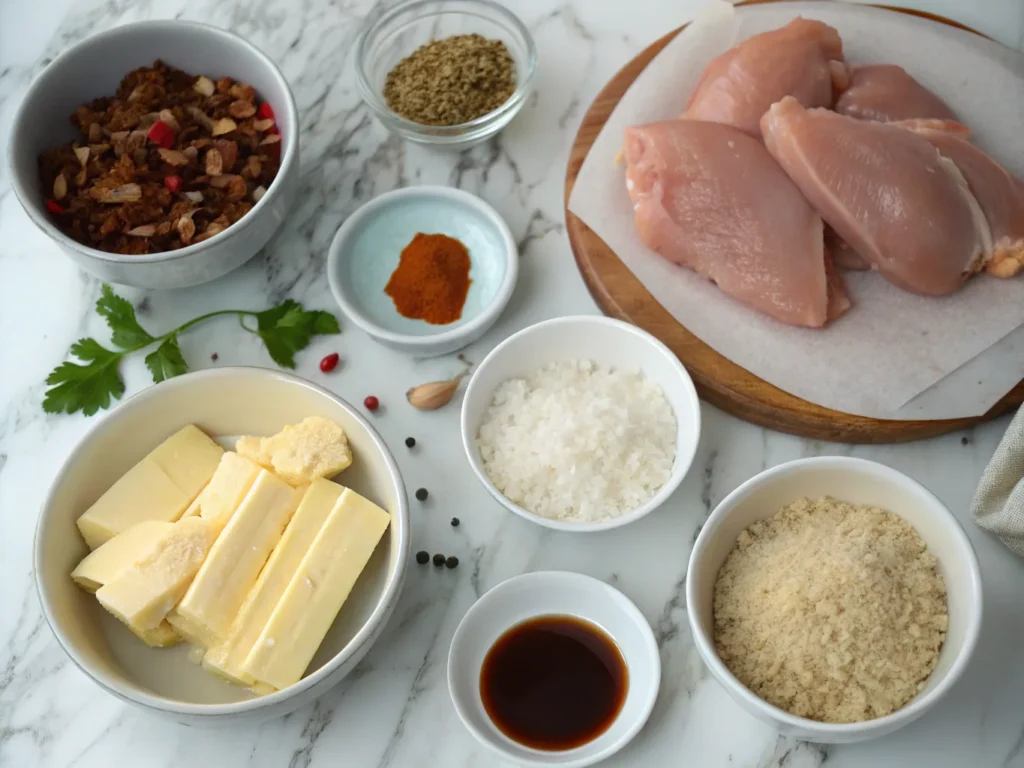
<point>719,381</point>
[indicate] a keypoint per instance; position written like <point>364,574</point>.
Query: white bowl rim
<point>173,706</point>
<point>644,509</point>
<point>592,584</point>
<point>451,133</point>
<point>109,37</point>
<point>487,316</point>
<point>906,713</point>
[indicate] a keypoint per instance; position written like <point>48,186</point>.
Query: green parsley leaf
<point>120,316</point>
<point>87,388</point>
<point>288,328</point>
<point>166,361</point>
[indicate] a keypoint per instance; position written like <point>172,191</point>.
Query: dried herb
<point>451,81</point>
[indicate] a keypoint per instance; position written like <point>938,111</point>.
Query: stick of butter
<point>159,487</point>
<point>301,453</point>
<point>205,613</point>
<point>317,591</point>
<point>108,561</point>
<point>161,636</point>
<point>142,595</point>
<point>227,488</point>
<point>226,659</point>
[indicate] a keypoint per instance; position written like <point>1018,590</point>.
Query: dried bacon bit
<point>243,92</point>
<point>224,125</point>
<point>204,85</point>
<point>126,193</point>
<point>241,109</point>
<point>149,171</point>
<point>161,133</point>
<point>265,111</point>
<point>214,162</point>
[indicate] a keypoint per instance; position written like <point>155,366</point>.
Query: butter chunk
<point>108,561</point>
<point>144,492</point>
<point>141,596</point>
<point>189,457</point>
<point>227,488</point>
<point>317,591</point>
<point>226,659</point>
<point>205,613</point>
<point>162,636</point>
<point>301,453</point>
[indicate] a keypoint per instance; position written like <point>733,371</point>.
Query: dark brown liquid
<point>554,682</point>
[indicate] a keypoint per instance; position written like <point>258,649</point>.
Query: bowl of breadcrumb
<point>835,598</point>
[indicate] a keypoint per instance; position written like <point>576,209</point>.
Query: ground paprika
<point>431,280</point>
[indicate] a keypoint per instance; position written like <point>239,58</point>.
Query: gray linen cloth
<point>998,505</point>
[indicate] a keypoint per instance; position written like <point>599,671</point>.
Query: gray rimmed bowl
<point>93,68</point>
<point>225,403</point>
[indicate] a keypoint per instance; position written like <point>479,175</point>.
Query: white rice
<point>579,441</point>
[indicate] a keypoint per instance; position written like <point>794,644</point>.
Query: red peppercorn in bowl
<point>231,230</point>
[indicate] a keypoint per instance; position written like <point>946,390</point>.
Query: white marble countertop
<point>395,710</point>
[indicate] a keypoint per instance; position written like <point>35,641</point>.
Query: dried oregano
<point>451,81</point>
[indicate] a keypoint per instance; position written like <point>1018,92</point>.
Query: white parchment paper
<point>893,353</point>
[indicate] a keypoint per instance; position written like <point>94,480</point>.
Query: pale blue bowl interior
<point>372,249</point>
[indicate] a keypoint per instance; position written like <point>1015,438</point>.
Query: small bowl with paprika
<point>424,270</point>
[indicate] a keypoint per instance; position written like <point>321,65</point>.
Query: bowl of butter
<point>223,547</point>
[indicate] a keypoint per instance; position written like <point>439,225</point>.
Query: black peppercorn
<point>422,557</point>
<point>439,560</point>
<point>410,442</point>
<point>421,494</point>
<point>452,562</point>
<point>455,522</point>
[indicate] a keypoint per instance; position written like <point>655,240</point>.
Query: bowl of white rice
<point>581,423</point>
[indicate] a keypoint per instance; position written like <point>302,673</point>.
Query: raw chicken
<point>886,191</point>
<point>709,197</point>
<point>803,59</point>
<point>1000,195</point>
<point>885,92</point>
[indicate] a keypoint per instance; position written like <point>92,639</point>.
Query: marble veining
<point>394,709</point>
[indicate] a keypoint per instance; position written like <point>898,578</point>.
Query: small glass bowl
<point>387,39</point>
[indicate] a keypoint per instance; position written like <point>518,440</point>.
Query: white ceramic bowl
<point>368,246</point>
<point>225,402</point>
<point>859,482</point>
<point>543,594</point>
<point>93,68</point>
<point>603,340</point>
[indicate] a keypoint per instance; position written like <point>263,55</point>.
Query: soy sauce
<point>554,682</point>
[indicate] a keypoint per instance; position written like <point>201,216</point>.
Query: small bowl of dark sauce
<point>554,668</point>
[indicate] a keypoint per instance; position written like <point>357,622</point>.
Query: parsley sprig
<point>90,385</point>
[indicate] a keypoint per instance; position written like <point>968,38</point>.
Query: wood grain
<point>719,381</point>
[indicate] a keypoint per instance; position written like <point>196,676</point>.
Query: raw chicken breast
<point>803,59</point>
<point>885,92</point>
<point>886,191</point>
<point>709,197</point>
<point>1000,195</point>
